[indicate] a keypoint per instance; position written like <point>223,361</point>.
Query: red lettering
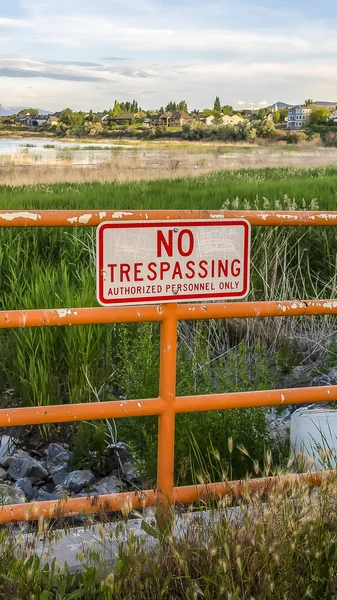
<point>151,267</point>
<point>177,271</point>
<point>190,267</point>
<point>137,272</point>
<point>164,267</point>
<point>181,234</point>
<point>235,271</point>
<point>223,268</point>
<point>202,265</point>
<point>168,244</point>
<point>125,270</point>
<point>112,270</point>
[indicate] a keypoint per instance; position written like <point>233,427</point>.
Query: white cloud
<point>188,55</point>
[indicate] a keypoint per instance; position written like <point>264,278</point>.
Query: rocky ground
<point>46,474</point>
<point>31,472</point>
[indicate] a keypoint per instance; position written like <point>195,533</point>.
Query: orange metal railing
<point>167,405</point>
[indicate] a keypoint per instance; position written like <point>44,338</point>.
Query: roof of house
<point>300,106</point>
<point>180,114</point>
<point>124,117</point>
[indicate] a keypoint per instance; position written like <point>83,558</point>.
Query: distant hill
<point>7,111</point>
<point>278,106</point>
<point>323,104</point>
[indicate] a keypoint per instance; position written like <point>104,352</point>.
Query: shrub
<point>265,128</point>
<point>296,137</point>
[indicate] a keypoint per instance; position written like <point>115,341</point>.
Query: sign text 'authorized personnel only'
<point>172,261</point>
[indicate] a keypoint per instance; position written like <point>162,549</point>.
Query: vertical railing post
<point>167,391</point>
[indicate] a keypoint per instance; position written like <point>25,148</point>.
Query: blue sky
<point>85,53</point>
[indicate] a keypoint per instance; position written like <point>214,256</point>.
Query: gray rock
<point>3,474</point>
<point>23,465</point>
<point>58,474</point>
<point>61,492</point>
<point>327,379</point>
<point>7,447</point>
<point>122,450</point>
<point>25,485</point>
<point>300,376</point>
<point>6,460</point>
<point>11,495</point>
<point>320,380</point>
<point>57,455</point>
<point>130,475</point>
<point>76,481</point>
<point>44,496</point>
<point>108,485</point>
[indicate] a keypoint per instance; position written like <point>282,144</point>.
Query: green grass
<point>266,547</point>
<point>209,191</point>
<point>55,268</point>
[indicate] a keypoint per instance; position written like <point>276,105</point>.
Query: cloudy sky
<point>86,53</point>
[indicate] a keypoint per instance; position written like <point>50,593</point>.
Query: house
<point>26,120</point>
<point>123,118</point>
<point>254,117</point>
<point>223,120</point>
<point>176,118</point>
<point>39,120</point>
<point>179,118</point>
<point>51,120</point>
<point>298,116</point>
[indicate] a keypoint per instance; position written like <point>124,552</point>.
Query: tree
<point>71,119</point>
<point>308,102</point>
<point>217,104</point>
<point>265,128</point>
<point>276,116</point>
<point>182,105</point>
<point>116,109</point>
<point>227,110</point>
<point>283,114</point>
<point>319,116</point>
<point>262,114</point>
<point>171,106</point>
<point>134,107</point>
<point>30,111</point>
<point>91,116</point>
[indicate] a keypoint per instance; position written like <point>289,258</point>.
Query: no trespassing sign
<point>172,261</point>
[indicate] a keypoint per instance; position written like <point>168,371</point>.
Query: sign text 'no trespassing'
<point>172,261</point>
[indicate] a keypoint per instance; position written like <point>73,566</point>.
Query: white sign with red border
<point>172,261</point>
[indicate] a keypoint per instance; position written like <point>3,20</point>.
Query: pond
<point>31,160</point>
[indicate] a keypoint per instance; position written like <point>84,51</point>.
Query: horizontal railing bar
<point>137,500</point>
<point>12,319</point>
<point>119,409</point>
<point>66,413</point>
<point>242,310</point>
<point>92,218</point>
<point>188,404</point>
